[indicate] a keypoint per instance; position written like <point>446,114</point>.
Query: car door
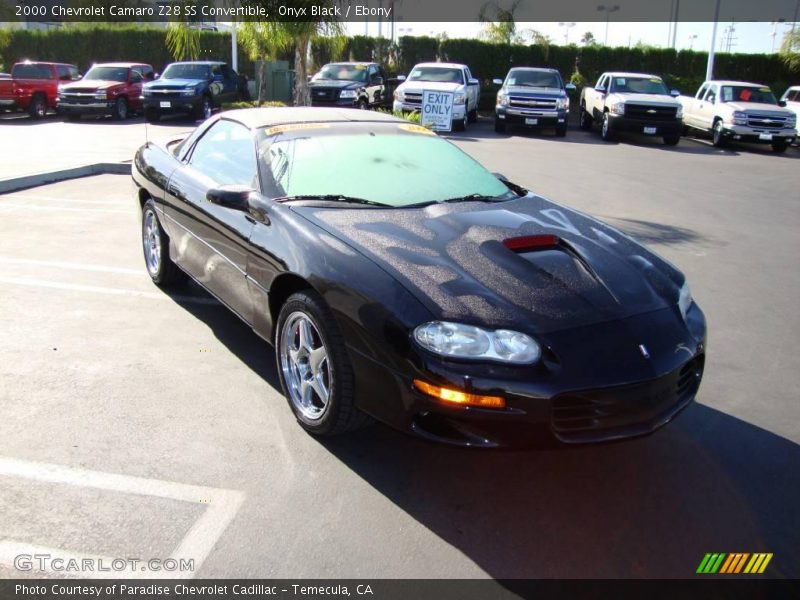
<point>134,89</point>
<point>473,89</point>
<point>597,98</point>
<point>707,110</point>
<point>231,81</point>
<point>374,85</point>
<point>217,85</point>
<point>214,239</point>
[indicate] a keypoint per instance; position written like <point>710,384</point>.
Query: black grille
<point>596,411</point>
<point>650,113</point>
<point>412,98</point>
<point>319,94</point>
<point>165,93</point>
<point>532,103</point>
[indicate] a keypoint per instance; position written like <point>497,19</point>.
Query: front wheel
<point>499,126</point>
<point>779,146</point>
<point>151,115</point>
<point>362,105</point>
<point>121,109</point>
<point>203,110</point>
<point>38,107</point>
<point>672,140</point>
<point>155,245</point>
<point>717,135</point>
<point>561,130</point>
<point>584,120</point>
<point>313,367</point>
<point>605,131</point>
<point>472,116</point>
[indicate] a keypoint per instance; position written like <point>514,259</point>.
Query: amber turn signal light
<point>458,397</point>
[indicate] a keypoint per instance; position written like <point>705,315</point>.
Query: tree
<point>499,25</point>
<point>790,50</point>
<point>588,39</point>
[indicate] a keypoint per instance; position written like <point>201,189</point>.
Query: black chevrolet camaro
<point>400,280</point>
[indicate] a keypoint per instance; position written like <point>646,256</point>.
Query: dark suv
<point>532,97</point>
<point>190,87</point>
<point>351,84</point>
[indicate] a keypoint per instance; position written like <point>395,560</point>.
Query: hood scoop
<point>528,243</point>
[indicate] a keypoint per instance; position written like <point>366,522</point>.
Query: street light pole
<point>608,10</point>
<point>710,64</point>
<point>566,27</point>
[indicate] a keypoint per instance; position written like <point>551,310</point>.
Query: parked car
<point>453,304</point>
<point>352,84</point>
<point>791,99</point>
<point>447,77</point>
<point>740,111</point>
<point>194,87</point>
<point>633,102</point>
<point>5,75</point>
<point>107,89</point>
<point>532,97</point>
<point>33,86</point>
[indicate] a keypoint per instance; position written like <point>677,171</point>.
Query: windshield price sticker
<point>437,109</point>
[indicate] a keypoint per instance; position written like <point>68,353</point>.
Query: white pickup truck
<point>740,111</point>
<point>443,77</point>
<point>634,102</point>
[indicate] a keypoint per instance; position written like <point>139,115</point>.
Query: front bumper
<point>173,104</point>
<point>743,133</point>
<point>100,107</point>
<point>405,107</point>
<point>656,127</point>
<point>531,118</point>
<point>575,395</point>
<point>338,102</point>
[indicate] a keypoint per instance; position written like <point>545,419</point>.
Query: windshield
<point>437,74</point>
<point>539,79</point>
<point>108,74</point>
<point>748,93</point>
<point>186,71</point>
<point>342,73</point>
<point>392,164</point>
<point>638,85</point>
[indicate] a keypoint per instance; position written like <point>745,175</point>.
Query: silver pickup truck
<point>739,111</point>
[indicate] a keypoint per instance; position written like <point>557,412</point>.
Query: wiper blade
<point>331,198</point>
<point>467,198</point>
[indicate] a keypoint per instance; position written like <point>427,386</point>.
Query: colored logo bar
<point>734,563</point>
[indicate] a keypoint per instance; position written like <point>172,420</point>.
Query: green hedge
<point>85,45</point>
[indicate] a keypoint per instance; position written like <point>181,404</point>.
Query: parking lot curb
<point>14,184</point>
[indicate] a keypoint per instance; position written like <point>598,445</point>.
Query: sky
<point>747,37</point>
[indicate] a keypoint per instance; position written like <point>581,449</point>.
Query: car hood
<point>521,90</point>
<point>761,108</point>
<point>452,258</point>
<point>335,83</point>
<point>168,84</point>
<point>653,99</point>
<point>95,84</point>
<point>419,86</point>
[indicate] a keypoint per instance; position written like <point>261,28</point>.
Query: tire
<point>204,109</point>
<point>314,369</point>
<point>499,126</point>
<point>151,115</point>
<point>155,246</point>
<point>779,146</point>
<point>561,130</point>
<point>672,140</point>
<point>38,107</point>
<point>716,134</point>
<point>584,120</point>
<point>605,132</point>
<point>472,116</point>
<point>120,109</point>
<point>684,130</point>
<point>362,105</point>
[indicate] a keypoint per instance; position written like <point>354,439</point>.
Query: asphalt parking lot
<point>139,424</point>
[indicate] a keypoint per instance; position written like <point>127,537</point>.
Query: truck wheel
<point>461,124</point>
<point>779,146</point>
<point>499,126</point>
<point>584,120</point>
<point>155,244</point>
<point>38,107</point>
<point>561,130</point>
<point>121,109</point>
<point>151,115</point>
<point>362,105</point>
<point>672,140</point>
<point>203,110</point>
<point>605,132</point>
<point>717,138</point>
<point>472,115</point>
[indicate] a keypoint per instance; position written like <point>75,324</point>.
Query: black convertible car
<point>400,280</point>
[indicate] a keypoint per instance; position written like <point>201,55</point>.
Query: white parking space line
<point>196,545</point>
<point>72,266</point>
<point>4,204</point>
<point>37,198</point>
<point>94,289</point>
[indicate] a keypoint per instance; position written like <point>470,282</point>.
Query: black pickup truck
<point>350,84</point>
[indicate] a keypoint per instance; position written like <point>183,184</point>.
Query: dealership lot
<point>139,424</point>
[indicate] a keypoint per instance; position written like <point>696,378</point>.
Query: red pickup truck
<point>33,86</point>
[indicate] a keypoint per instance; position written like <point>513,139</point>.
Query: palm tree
<point>588,39</point>
<point>499,25</point>
<point>790,50</point>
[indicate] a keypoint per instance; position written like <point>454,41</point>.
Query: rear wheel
<point>121,109</point>
<point>155,245</point>
<point>717,137</point>
<point>584,120</point>
<point>779,146</point>
<point>313,367</point>
<point>605,132</point>
<point>38,107</point>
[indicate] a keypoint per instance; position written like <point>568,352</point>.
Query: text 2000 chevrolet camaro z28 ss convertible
<point>400,280</point>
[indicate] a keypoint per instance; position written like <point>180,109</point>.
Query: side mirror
<point>230,196</point>
<point>309,77</point>
<point>602,90</point>
<point>570,87</point>
<point>497,81</point>
<point>257,206</point>
<point>473,81</point>
<point>156,76</point>
<point>675,93</point>
<point>378,80</point>
<point>782,103</point>
<point>401,78</point>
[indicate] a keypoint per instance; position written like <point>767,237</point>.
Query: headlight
<point>100,95</point>
<point>685,299</point>
<point>791,121</point>
<point>562,103</point>
<point>400,95</point>
<point>679,112</point>
<point>347,94</point>
<point>502,98</point>
<point>456,340</point>
<point>189,92</point>
<point>618,108</point>
<point>459,99</point>
<point>147,93</point>
<point>739,117</point>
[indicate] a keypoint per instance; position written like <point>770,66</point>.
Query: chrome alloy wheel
<point>151,240</point>
<point>305,365</point>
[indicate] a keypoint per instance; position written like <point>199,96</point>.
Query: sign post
<point>437,110</point>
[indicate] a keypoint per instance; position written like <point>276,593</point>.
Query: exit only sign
<point>437,109</point>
